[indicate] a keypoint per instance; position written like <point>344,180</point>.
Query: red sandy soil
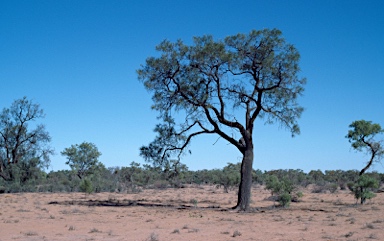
<point>191,213</point>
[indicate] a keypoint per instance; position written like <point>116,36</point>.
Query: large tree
<point>222,87</point>
<point>362,138</point>
<point>24,145</point>
<point>82,158</point>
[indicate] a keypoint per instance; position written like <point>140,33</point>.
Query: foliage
<point>135,177</point>
<point>272,183</point>
<point>361,137</point>
<point>207,84</point>
<point>24,145</point>
<point>132,177</point>
<point>102,179</point>
<point>282,188</point>
<point>332,187</point>
<point>62,181</point>
<point>297,177</point>
<point>174,171</point>
<point>86,186</point>
<point>363,188</point>
<point>285,199</point>
<point>229,176</point>
<point>83,158</point>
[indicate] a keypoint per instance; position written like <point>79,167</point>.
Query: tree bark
<point>373,154</point>
<point>244,195</point>
<point>362,201</point>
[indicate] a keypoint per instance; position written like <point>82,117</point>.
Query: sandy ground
<point>191,213</point>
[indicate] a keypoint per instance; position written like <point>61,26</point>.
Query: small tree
<point>364,187</point>
<point>83,158</point>
<point>362,138</point>
<point>24,145</point>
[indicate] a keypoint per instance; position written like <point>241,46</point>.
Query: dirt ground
<point>191,213</point>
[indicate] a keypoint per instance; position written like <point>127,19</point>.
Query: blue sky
<point>78,60</point>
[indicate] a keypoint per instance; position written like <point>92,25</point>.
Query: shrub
<point>86,186</point>
<point>297,196</point>
<point>285,199</point>
<point>161,184</point>
<point>282,188</point>
<point>272,183</point>
<point>363,188</point>
<point>332,187</point>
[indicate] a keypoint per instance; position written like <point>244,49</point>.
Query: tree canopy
<point>362,138</point>
<point>83,158</point>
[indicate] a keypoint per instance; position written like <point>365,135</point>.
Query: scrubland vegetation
<point>284,185</point>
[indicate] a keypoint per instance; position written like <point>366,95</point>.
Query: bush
<point>161,184</point>
<point>332,187</point>
<point>86,186</point>
<point>272,183</point>
<point>364,187</point>
<point>285,199</point>
<point>297,196</point>
<point>282,188</point>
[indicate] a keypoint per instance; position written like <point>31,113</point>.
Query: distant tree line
<point>136,177</point>
<point>25,154</point>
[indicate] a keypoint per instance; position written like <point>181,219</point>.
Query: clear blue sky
<point>77,59</point>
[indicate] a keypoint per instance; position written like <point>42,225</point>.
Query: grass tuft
<point>95,230</point>
<point>236,233</point>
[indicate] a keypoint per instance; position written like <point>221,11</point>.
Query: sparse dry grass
<point>30,233</point>
<point>318,216</point>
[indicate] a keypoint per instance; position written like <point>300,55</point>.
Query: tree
<point>222,87</point>
<point>23,148</point>
<point>317,176</point>
<point>83,158</point>
<point>362,138</point>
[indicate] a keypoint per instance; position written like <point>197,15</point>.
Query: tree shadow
<point>129,203</point>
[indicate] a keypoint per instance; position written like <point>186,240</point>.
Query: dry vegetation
<point>190,213</point>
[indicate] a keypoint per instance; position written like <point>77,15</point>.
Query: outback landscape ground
<point>190,213</point>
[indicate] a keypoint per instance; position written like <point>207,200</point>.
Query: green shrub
<point>283,188</point>
<point>296,196</point>
<point>363,188</point>
<point>272,183</point>
<point>285,199</point>
<point>86,186</point>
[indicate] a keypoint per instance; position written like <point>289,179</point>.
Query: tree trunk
<point>244,195</point>
<point>362,201</point>
<point>368,165</point>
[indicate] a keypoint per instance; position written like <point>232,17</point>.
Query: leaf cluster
<point>362,135</point>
